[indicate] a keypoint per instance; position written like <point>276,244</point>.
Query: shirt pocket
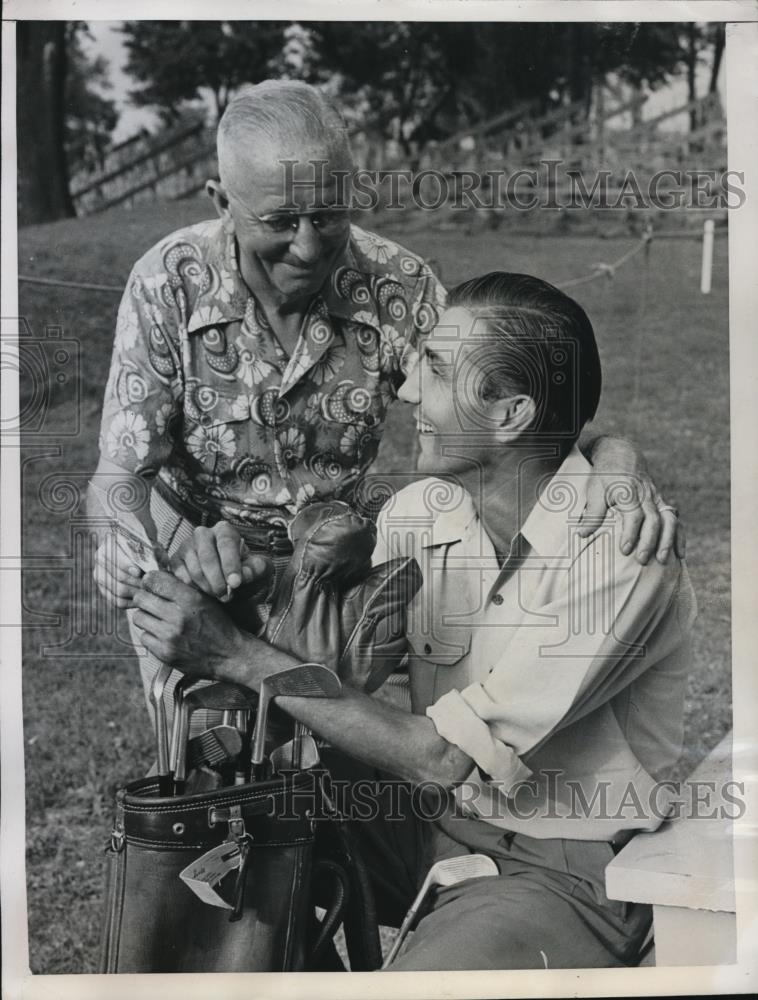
<point>438,663</point>
<point>439,617</point>
<point>439,644</point>
<point>221,435</point>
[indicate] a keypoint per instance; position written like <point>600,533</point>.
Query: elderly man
<point>256,355</point>
<point>547,670</point>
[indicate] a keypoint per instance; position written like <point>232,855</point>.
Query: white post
<point>707,265</point>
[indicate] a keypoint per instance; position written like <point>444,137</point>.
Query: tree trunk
<point>691,68</point>
<point>719,40</point>
<point>41,62</point>
<point>580,40</point>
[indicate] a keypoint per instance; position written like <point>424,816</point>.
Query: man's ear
<point>513,416</point>
<point>220,200</point>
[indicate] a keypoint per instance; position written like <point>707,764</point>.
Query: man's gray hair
<point>285,113</point>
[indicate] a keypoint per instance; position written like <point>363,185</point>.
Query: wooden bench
<point>685,869</point>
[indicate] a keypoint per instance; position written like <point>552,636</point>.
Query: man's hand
<point>621,480</point>
<point>188,629</point>
<point>116,573</point>
<point>217,562</point>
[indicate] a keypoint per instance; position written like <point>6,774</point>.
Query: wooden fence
<point>177,164</point>
<point>173,165</point>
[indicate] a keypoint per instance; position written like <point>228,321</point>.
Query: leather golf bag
<point>155,923</point>
<point>164,911</point>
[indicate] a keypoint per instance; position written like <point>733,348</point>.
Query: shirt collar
<point>225,300</point>
<point>345,294</point>
<point>546,527</point>
<point>559,505</point>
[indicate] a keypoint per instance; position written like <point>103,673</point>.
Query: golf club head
<point>284,758</point>
<point>214,746</point>
<point>304,680</point>
<point>448,871</point>
<point>222,697</point>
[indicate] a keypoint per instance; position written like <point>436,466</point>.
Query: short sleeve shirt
<point>201,392</point>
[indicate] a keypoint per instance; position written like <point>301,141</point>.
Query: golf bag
<point>290,840</point>
<point>226,880</point>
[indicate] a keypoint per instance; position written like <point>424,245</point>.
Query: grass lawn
<point>665,355</point>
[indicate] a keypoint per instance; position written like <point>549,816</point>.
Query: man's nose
<point>410,390</point>
<point>306,245</point>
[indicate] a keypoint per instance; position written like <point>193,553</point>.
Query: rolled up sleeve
<point>458,721</point>
<point>597,637</point>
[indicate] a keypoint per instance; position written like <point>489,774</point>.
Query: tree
<point>90,117</point>
<point>425,80</point>
<point>64,122</point>
<point>175,60</point>
<point>41,68</point>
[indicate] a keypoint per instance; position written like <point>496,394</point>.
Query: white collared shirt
<point>561,674</point>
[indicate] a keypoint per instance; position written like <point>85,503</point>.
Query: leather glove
<point>373,623</point>
<point>332,548</point>
<point>332,608</point>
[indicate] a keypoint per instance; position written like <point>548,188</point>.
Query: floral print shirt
<point>202,393</point>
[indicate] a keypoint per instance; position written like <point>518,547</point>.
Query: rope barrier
<point>59,283</point>
<point>599,270</point>
<point>605,270</point>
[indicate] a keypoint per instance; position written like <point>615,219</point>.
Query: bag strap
<point>335,912</point>
<point>361,926</point>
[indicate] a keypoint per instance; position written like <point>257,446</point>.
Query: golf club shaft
<point>259,737</point>
<point>243,722</point>
<point>158,698</point>
<point>180,770</point>
<point>301,731</point>
<point>406,924</point>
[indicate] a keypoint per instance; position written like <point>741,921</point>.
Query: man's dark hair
<point>537,342</point>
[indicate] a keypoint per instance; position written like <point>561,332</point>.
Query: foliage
<point>410,81</point>
<point>90,116</point>
<point>175,60</point>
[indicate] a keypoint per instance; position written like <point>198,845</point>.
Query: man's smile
<point>423,426</point>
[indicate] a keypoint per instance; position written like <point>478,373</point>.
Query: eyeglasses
<point>328,221</point>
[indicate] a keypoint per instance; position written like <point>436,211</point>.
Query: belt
<point>259,535</point>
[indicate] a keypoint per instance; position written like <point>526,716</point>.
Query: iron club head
<point>448,871</point>
<point>295,755</point>
<point>305,680</point>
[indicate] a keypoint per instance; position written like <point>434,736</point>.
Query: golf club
<point>180,688</point>
<point>214,747</point>
<point>243,722</point>
<point>306,680</point>
<point>301,732</point>
<point>449,871</point>
<point>218,696</point>
<point>290,757</point>
<point>158,701</point>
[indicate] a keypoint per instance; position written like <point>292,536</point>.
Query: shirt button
<point>497,599</point>
<point>427,648</point>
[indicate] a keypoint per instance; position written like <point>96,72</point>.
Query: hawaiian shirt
<point>202,393</point>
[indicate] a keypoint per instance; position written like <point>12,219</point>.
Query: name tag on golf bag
<point>154,921</point>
